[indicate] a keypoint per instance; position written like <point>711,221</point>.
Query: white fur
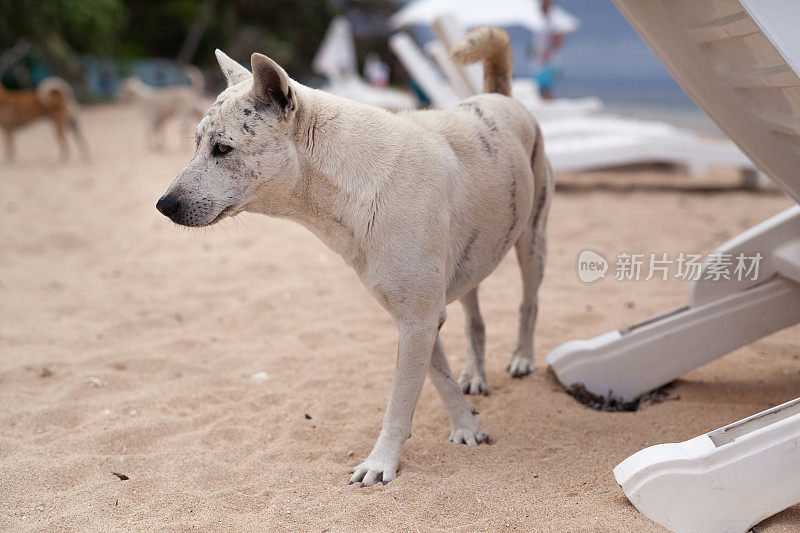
<point>423,205</point>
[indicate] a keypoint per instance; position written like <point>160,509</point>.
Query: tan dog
<point>53,98</point>
<point>160,104</point>
<point>423,205</point>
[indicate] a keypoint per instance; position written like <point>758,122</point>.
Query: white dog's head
<point>245,158</point>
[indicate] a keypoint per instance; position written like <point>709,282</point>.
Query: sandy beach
<point>235,374</point>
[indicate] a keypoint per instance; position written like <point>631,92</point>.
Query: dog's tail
<point>55,93</point>
<point>493,46</point>
<point>196,78</point>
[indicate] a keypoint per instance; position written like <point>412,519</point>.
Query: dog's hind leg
<point>473,378</point>
<point>80,140</point>
<point>531,248</point>
<point>465,428</point>
<point>61,136</point>
<point>8,140</point>
<point>153,133</point>
<point>159,135</point>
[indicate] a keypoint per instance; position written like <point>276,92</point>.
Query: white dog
<point>423,205</point>
<point>159,104</point>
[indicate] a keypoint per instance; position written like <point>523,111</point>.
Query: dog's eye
<point>221,149</point>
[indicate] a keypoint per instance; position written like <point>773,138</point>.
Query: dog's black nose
<point>168,206</point>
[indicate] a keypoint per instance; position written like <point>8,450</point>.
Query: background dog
<point>423,205</point>
<point>159,104</point>
<point>53,98</point>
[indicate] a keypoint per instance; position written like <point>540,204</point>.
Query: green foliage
<point>60,30</point>
<point>290,31</point>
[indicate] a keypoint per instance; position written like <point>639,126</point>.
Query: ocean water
<point>608,56</point>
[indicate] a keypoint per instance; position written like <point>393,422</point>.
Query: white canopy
<point>470,13</point>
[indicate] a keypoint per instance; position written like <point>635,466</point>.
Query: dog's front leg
<point>417,337</point>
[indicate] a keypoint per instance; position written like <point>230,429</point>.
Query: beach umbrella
<point>470,13</point>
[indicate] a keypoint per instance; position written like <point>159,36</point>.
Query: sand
<point>236,374</point>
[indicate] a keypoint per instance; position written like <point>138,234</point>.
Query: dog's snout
<point>168,205</point>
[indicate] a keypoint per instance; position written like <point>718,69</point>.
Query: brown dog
<point>53,98</point>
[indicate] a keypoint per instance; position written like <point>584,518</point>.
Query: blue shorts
<point>545,77</point>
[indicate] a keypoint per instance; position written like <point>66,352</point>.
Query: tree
<point>60,31</point>
<point>287,30</point>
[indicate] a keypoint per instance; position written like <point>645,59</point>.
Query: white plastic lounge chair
<point>449,83</point>
<point>468,80</point>
<point>599,141</point>
<point>740,61</point>
<point>449,31</point>
<point>336,60</point>
<point>357,89</point>
<point>459,83</point>
<point>423,71</point>
<point>726,480</point>
<point>576,139</point>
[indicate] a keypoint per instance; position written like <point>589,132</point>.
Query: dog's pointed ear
<point>233,71</point>
<point>271,84</point>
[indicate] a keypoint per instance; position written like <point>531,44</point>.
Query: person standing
<point>376,71</point>
<point>547,46</point>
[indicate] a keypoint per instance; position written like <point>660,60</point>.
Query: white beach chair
<point>726,480</point>
<point>449,83</point>
<point>740,61</point>
<point>433,84</point>
<point>577,138</point>
<point>600,141</point>
<point>459,83</point>
<point>467,80</point>
<point>336,60</point>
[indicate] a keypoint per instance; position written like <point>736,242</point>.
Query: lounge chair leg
<point>722,316</point>
<point>753,179</point>
<point>727,480</point>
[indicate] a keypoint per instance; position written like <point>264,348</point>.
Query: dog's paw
<point>474,385</point>
<point>520,366</point>
<point>373,471</point>
<point>471,434</point>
